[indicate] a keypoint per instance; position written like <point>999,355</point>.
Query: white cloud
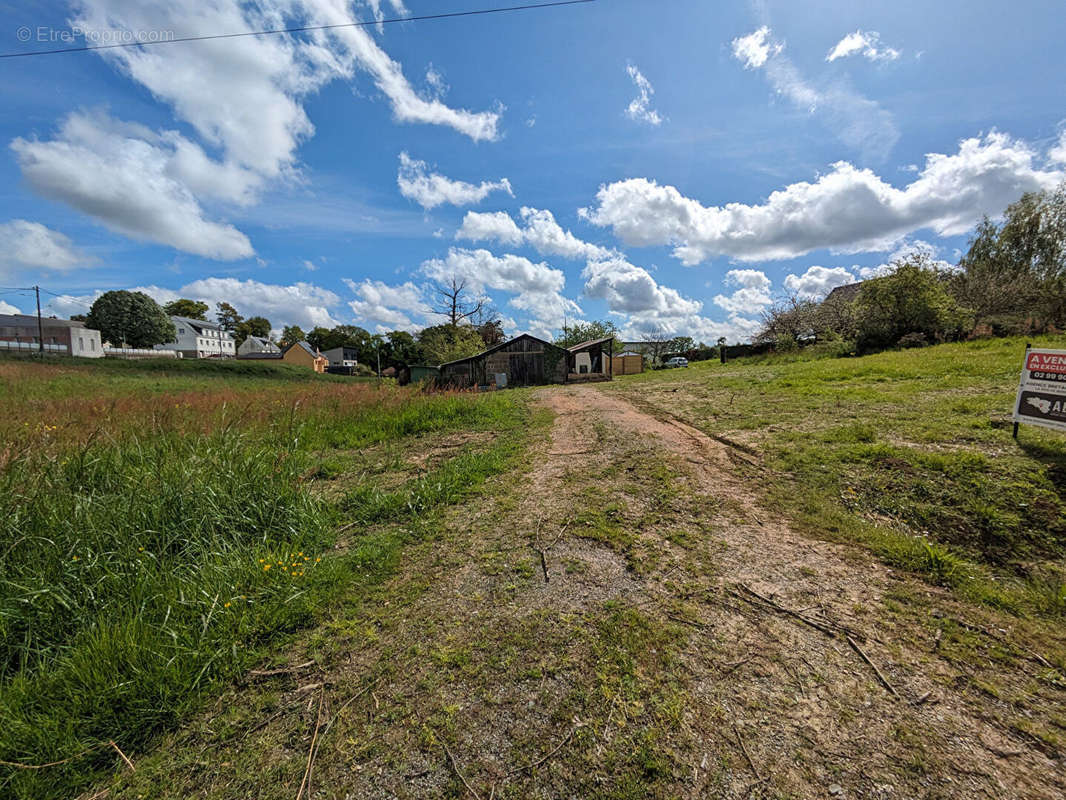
<point>1057,153</point>
<point>25,244</point>
<point>817,282</point>
<point>388,307</point>
<point>7,308</point>
<point>754,49</point>
<point>868,43</point>
<point>253,110</point>
<point>435,81</point>
<point>846,210</point>
<point>133,181</point>
<point>537,287</point>
<point>379,13</point>
<point>303,304</point>
<point>925,250</point>
<point>752,296</point>
<point>310,266</point>
<point>856,120</point>
<point>735,328</point>
<point>541,232</point>
<point>640,108</point>
<point>430,189</point>
<point>629,289</point>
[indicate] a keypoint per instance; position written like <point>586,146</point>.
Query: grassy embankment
<point>161,525</point>
<point>908,453</point>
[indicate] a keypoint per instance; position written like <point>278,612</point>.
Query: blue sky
<point>670,166</point>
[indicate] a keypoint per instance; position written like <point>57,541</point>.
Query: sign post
<point>1042,391</point>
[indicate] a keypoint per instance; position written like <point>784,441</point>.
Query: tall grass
<point>146,555</point>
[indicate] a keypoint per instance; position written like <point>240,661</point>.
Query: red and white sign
<point>1042,392</point>
<point>1046,361</point>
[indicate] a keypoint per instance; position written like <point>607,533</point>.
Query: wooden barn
<point>529,361</point>
<point>523,361</point>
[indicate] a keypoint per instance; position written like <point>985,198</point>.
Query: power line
<point>301,29</point>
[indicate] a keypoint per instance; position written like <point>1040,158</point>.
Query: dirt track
<point>810,708</point>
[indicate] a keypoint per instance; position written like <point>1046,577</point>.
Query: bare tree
<point>455,303</point>
<point>657,341</point>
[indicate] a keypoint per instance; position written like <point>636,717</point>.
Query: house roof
<point>500,346</point>
<point>846,293</point>
<point>306,346</point>
<point>199,324</point>
<point>259,340</point>
<point>29,320</point>
<point>590,343</point>
<point>259,355</point>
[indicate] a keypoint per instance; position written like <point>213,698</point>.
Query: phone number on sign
<point>1040,375</point>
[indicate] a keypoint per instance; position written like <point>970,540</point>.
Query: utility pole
<point>40,325</point>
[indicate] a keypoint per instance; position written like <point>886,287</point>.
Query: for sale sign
<point>1042,391</point>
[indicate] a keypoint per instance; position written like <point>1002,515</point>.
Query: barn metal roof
<point>500,346</point>
<point>589,343</point>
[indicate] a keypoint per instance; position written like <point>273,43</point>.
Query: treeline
<point>1011,281</point>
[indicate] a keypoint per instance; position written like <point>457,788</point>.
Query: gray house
<point>342,357</point>
<point>257,344</point>
<point>60,336</point>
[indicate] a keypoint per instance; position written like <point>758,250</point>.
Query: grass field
<point>908,453</point>
<point>532,594</point>
<point>161,528</point>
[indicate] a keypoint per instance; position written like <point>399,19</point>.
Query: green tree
<point>401,348</point>
<point>291,334</point>
<point>491,332</point>
<point>132,319</point>
<point>1014,274</point>
<point>253,326</point>
<point>321,338</point>
<point>912,302</point>
<point>227,317</point>
<point>443,343</point>
<point>586,331</point>
<point>190,309</point>
<point>680,345</point>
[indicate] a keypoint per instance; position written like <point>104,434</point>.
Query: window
<point>81,343</point>
<point>181,330</point>
<point>92,344</point>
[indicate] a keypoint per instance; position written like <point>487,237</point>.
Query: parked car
<point>676,361</point>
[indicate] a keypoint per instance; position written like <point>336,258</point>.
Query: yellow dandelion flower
<point>266,567</point>
<point>225,605</point>
<point>317,560</point>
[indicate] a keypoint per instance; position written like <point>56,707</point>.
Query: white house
<point>257,344</point>
<point>199,339</point>
<point>64,336</point>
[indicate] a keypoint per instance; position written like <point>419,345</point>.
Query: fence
<point>138,352</point>
<point>33,347</point>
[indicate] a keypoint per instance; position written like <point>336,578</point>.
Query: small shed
<point>522,361</point>
<point>627,363</point>
<point>591,360</point>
